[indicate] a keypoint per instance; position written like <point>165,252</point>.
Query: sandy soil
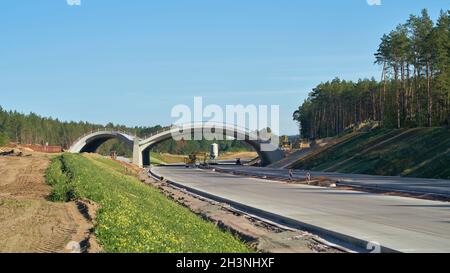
<point>30,223</point>
<point>241,155</point>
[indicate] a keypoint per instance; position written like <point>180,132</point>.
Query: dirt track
<point>241,155</point>
<point>28,222</point>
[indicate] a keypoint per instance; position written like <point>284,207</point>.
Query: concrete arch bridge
<point>89,143</point>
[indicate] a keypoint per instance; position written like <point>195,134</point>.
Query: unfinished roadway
<point>438,188</point>
<point>396,223</point>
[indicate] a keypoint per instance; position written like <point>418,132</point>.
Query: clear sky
<point>130,62</point>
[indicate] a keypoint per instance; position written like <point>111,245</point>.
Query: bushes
<point>63,187</point>
<point>135,217</point>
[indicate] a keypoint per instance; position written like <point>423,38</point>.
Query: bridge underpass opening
<point>104,142</point>
<point>173,152</point>
<point>107,146</point>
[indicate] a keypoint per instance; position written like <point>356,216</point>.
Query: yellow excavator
<point>285,144</point>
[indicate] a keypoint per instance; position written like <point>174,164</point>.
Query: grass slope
<point>155,159</point>
<point>421,152</point>
<point>164,158</point>
<point>134,217</point>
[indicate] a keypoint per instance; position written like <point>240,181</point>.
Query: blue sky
<point>130,62</point>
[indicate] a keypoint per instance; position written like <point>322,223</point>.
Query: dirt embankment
<point>30,223</point>
<point>235,155</point>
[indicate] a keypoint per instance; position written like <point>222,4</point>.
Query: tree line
<point>413,90</point>
<point>33,129</point>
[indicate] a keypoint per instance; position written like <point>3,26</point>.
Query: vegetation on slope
<point>417,152</point>
<point>163,158</point>
<point>134,217</point>
<point>155,159</point>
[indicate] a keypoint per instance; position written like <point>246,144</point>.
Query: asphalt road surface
<point>394,183</point>
<point>400,223</point>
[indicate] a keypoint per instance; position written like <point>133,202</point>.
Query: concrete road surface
<point>399,223</point>
<point>394,183</point>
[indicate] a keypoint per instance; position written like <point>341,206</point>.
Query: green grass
<point>155,159</point>
<point>165,158</point>
<point>60,178</point>
<point>134,217</point>
<point>108,163</point>
<point>422,152</point>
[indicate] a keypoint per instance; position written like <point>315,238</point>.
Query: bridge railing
<point>104,129</point>
<point>162,130</point>
<point>192,125</point>
<point>168,128</point>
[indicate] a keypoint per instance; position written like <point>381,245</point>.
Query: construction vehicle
<point>305,145</point>
<point>196,159</point>
<point>285,144</point>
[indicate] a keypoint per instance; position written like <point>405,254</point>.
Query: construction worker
<point>308,177</point>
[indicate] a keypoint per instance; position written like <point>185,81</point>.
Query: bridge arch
<point>267,152</point>
<point>89,143</point>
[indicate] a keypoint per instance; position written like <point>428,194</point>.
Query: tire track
<point>28,222</point>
